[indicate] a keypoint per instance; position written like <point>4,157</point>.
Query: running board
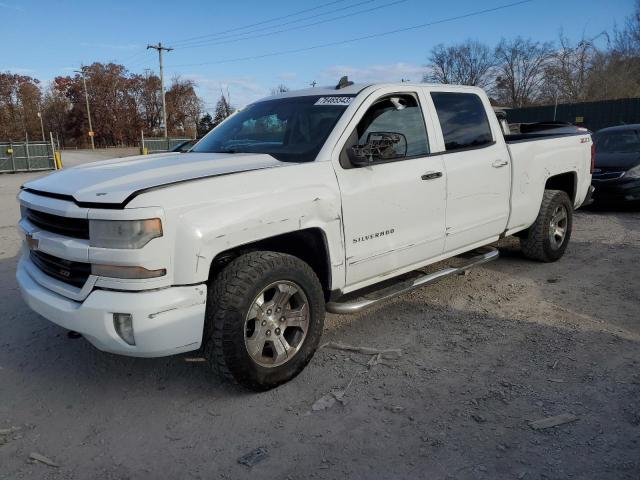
<point>406,286</point>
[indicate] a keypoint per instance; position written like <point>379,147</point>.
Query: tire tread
<point>534,244</point>
<point>228,289</point>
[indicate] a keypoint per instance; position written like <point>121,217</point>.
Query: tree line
<point>522,72</point>
<point>122,105</point>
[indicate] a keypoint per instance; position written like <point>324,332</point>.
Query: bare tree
<point>55,109</point>
<point>568,70</point>
<point>521,65</point>
<point>183,107</point>
<point>616,73</point>
<point>627,41</point>
<point>468,63</point>
<point>282,88</point>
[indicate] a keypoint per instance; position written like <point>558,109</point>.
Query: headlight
<point>123,233</point>
<point>633,172</point>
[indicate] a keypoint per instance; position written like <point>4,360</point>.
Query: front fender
<point>256,206</point>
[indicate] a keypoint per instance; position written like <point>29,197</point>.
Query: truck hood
<point>115,181</point>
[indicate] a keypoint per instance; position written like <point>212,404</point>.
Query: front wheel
<point>264,319</point>
<point>547,239</point>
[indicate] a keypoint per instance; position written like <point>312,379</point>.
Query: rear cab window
<point>463,120</point>
<point>618,141</point>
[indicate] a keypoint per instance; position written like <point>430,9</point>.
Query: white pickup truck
<point>288,209</point>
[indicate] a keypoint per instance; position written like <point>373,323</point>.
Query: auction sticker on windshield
<point>334,101</point>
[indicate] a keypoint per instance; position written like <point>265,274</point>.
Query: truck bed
<point>528,137</point>
<point>536,157</point>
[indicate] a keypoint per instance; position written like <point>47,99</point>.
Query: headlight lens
<point>633,172</point>
<point>123,233</point>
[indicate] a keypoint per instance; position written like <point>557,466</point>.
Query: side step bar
<point>484,255</point>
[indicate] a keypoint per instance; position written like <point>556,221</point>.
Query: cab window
<point>463,120</point>
<point>392,129</point>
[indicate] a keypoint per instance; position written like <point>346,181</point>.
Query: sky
<point>249,47</point>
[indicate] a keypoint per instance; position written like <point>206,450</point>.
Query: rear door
<point>393,208</point>
<point>477,166</point>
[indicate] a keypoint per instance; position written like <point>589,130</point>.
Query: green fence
<point>593,115</point>
<point>162,144</point>
<point>25,157</point>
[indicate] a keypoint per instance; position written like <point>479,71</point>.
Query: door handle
<point>431,175</point>
<point>499,163</point>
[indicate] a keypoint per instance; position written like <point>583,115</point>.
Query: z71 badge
<point>371,236</point>
<point>32,243</point>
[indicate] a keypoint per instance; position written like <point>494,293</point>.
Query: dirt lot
<point>482,356</point>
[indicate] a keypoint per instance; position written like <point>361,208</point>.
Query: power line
<point>237,35</point>
<point>262,22</point>
<point>297,27</point>
<point>356,39</point>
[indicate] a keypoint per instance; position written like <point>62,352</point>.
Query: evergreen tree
<point>223,110</point>
<point>205,124</point>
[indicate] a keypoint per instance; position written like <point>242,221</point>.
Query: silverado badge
<point>371,236</point>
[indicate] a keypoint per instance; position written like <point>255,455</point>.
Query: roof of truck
<point>324,91</point>
<point>354,89</point>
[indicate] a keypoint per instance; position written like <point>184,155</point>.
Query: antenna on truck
<point>343,83</point>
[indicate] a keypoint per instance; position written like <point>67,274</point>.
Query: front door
<point>394,207</point>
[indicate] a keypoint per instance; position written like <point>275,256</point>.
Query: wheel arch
<point>309,245</point>
<point>567,182</point>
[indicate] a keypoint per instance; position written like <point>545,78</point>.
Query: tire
<point>542,240</point>
<point>233,336</point>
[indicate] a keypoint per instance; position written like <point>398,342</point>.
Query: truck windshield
<point>290,129</point>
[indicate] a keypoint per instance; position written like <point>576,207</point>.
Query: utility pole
<point>86,97</point>
<point>160,48</point>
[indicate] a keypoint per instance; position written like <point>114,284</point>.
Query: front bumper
<point>166,321</point>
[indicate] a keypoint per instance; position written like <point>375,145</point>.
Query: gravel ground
<point>483,355</point>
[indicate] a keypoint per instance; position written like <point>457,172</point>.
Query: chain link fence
<point>26,156</point>
<point>162,144</point>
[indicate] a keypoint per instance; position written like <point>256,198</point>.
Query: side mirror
<point>380,146</point>
<point>358,158</point>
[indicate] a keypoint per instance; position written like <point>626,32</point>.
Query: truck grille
<point>67,226</point>
<point>73,273</point>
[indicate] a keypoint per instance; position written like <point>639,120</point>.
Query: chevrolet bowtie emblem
<point>32,243</point>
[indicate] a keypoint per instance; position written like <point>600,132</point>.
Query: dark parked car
<point>616,176</point>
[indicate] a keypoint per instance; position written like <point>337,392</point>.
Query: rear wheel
<point>547,239</point>
<point>264,319</point>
